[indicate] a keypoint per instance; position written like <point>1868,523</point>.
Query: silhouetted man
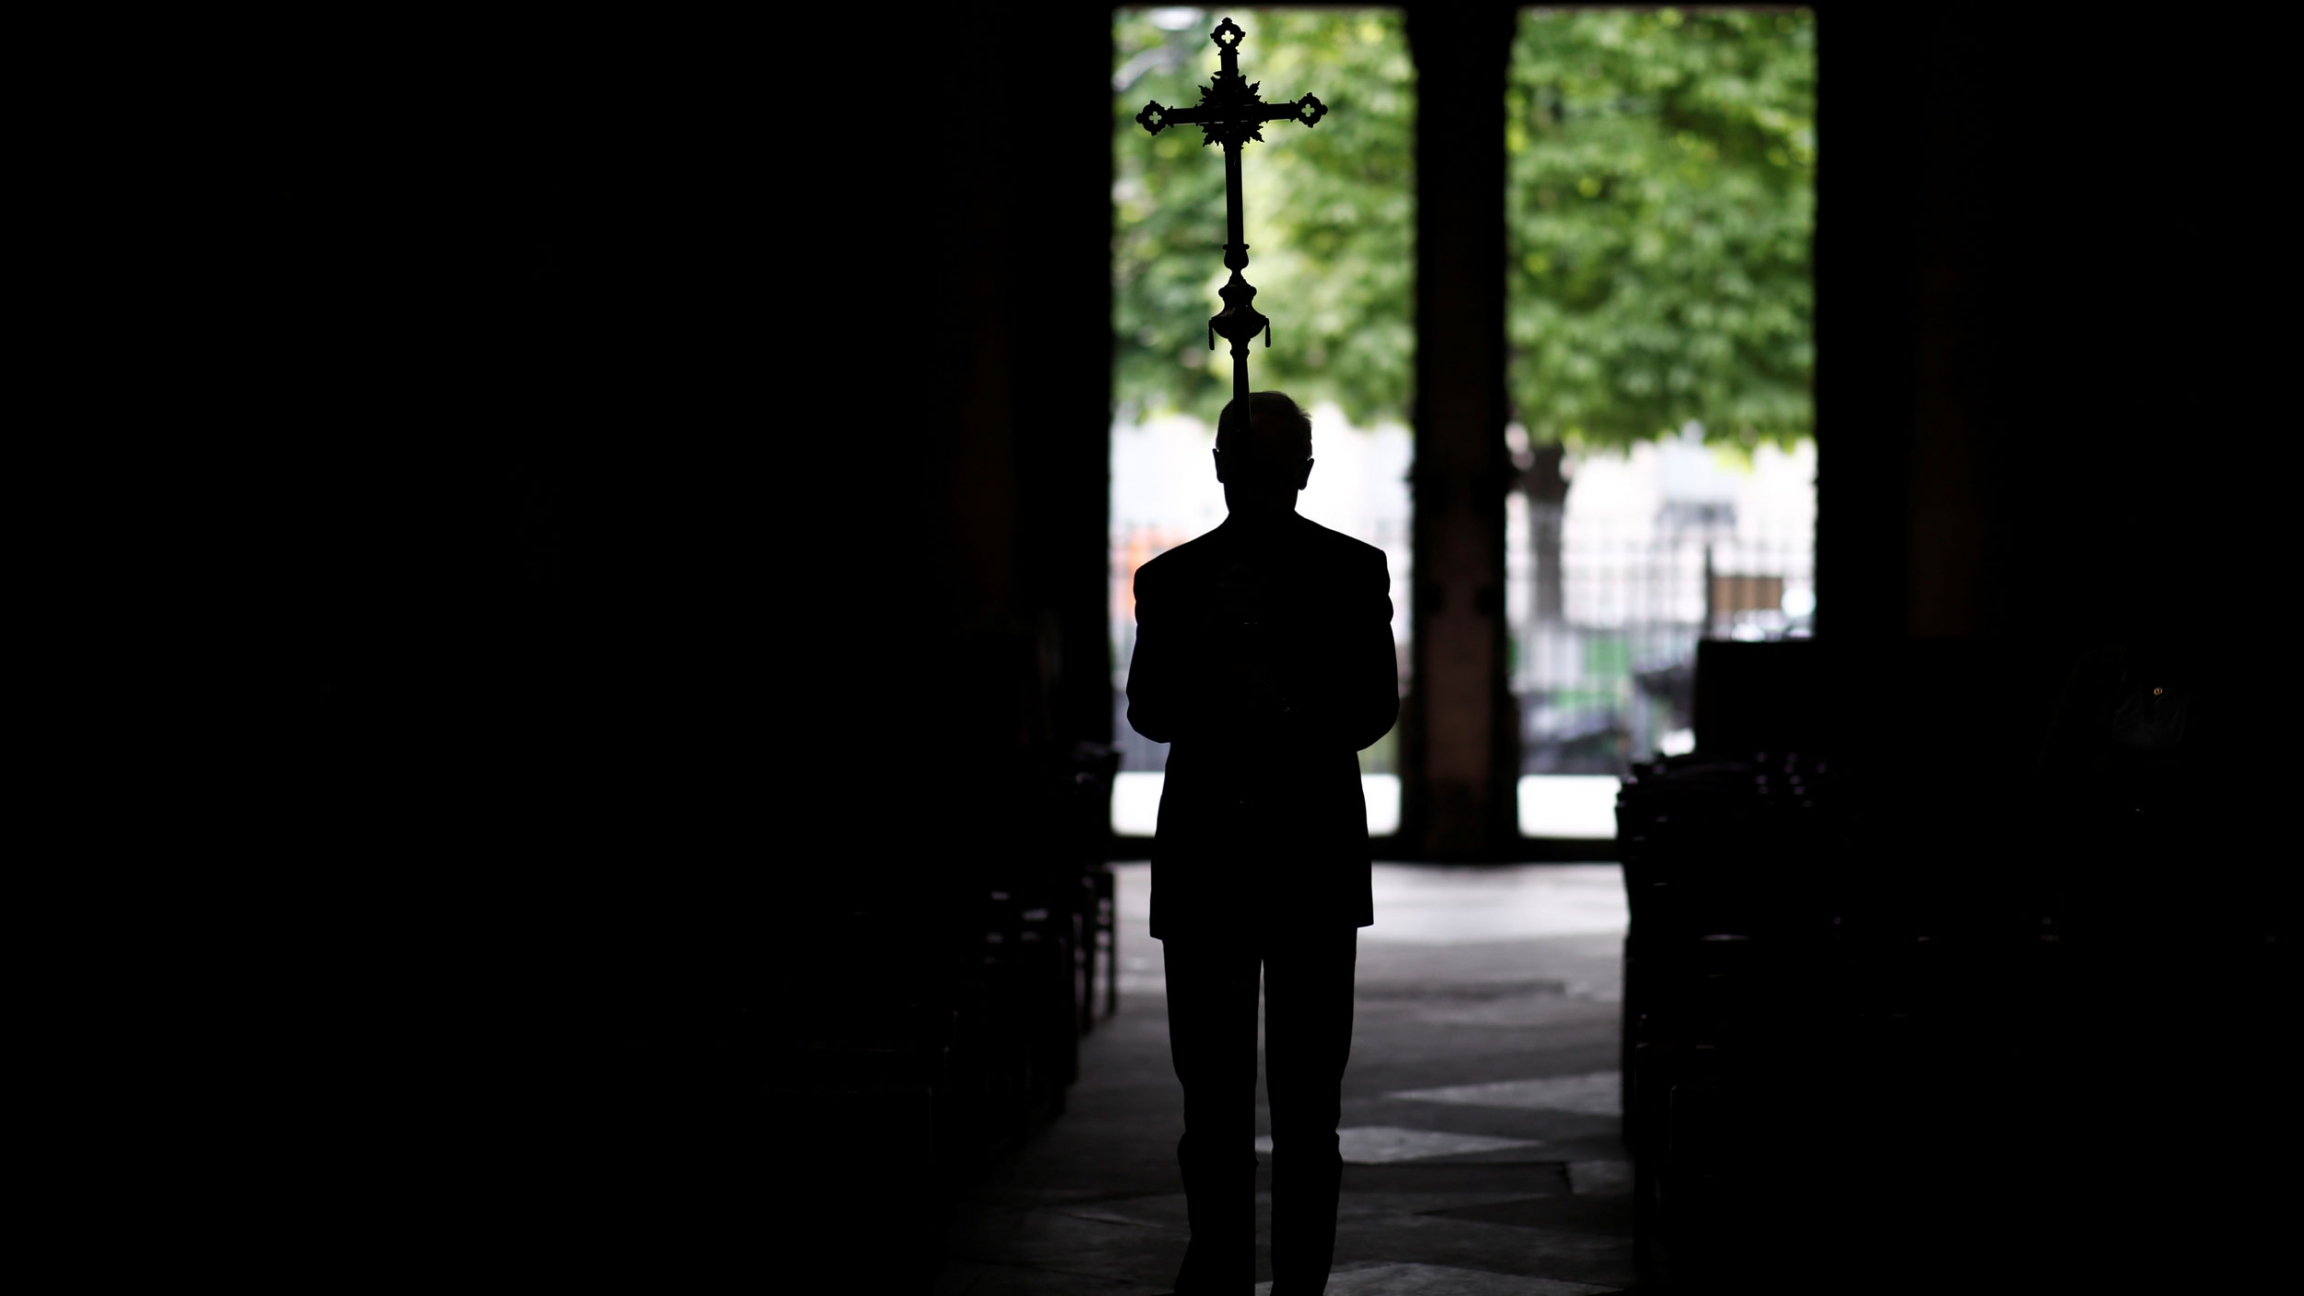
<point>1264,656</point>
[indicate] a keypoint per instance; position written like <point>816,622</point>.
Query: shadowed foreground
<point>1480,1129</point>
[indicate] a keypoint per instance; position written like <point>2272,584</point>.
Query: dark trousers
<point>1212,985</point>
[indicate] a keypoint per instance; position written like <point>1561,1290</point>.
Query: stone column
<point>1460,740</point>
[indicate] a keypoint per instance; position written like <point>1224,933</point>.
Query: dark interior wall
<point>2047,417</point>
<point>633,488</point>
<point>2079,326</point>
<point>616,428</point>
<point>609,494</point>
<point>1026,218</point>
<point>2042,397</point>
<point>478,315</point>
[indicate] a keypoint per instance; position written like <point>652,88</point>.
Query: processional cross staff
<point>1231,113</point>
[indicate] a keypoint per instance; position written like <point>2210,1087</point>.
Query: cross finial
<point>1230,109</point>
<point>1231,113</point>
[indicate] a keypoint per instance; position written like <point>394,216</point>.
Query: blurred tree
<point>1330,213</point>
<point>1661,195</point>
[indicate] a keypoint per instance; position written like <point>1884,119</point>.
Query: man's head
<point>1264,458</point>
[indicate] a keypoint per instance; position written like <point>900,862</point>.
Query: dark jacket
<point>1266,661</point>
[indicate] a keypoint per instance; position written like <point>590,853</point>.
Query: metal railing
<point>1611,677</point>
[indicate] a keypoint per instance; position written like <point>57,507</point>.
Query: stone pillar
<point>1460,737</point>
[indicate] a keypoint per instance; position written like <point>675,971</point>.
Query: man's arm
<point>1371,701</point>
<point>1155,687</point>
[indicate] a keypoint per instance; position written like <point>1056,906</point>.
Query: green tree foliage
<point>1662,191</point>
<point>1330,221</point>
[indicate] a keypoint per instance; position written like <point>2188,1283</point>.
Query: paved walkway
<point>1480,1123</point>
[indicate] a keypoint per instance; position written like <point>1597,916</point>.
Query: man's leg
<point>1212,990</point>
<point>1307,1040</point>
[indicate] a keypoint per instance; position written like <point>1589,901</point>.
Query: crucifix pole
<point>1231,113</point>
<point>1236,257</point>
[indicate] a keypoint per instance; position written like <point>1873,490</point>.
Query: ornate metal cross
<point>1231,113</point>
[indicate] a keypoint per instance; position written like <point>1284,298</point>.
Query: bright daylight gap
<point>1660,202</point>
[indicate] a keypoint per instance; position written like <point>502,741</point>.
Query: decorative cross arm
<point>1232,113</point>
<point>1157,117</point>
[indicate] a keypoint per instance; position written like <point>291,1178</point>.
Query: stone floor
<point>1480,1131</point>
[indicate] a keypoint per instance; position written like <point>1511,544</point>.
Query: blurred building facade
<point>1657,547</point>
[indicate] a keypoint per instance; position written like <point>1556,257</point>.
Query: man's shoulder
<point>1337,547</point>
<point>1172,564</point>
<point>1206,553</point>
